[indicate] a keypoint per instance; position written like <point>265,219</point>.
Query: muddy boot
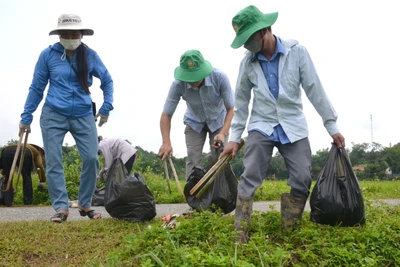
<point>244,208</point>
<point>291,210</point>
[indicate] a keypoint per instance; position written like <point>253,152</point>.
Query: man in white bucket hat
<point>68,67</point>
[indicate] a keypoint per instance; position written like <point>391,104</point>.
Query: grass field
<point>205,239</point>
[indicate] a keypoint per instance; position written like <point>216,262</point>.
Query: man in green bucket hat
<point>209,99</point>
<point>274,70</point>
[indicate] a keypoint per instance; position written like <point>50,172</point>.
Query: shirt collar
<point>206,83</point>
<point>280,49</point>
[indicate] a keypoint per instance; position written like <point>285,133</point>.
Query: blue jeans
<point>54,128</point>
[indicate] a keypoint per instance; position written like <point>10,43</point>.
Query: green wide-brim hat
<point>193,67</point>
<point>248,21</point>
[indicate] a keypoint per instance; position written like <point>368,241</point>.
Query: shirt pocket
<point>290,83</point>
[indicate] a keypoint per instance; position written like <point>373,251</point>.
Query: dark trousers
<point>7,157</point>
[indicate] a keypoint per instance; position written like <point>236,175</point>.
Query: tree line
<point>373,157</point>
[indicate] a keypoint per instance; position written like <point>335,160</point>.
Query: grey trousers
<point>257,157</point>
<point>194,145</point>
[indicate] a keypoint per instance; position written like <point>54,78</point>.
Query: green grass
<point>205,239</point>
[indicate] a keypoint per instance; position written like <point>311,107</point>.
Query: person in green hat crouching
<point>209,98</point>
<point>275,70</point>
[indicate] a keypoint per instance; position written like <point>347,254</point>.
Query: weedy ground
<point>208,239</point>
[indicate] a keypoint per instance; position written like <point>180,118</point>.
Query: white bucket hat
<point>70,22</point>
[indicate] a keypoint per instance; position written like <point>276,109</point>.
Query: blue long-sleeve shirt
<point>296,70</point>
<point>271,72</point>
<point>65,94</point>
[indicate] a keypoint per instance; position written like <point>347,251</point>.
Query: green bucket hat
<point>193,67</point>
<point>248,21</point>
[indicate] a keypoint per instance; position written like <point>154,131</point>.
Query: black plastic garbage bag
<point>221,194</point>
<point>336,198</point>
<point>128,197</point>
<point>98,196</point>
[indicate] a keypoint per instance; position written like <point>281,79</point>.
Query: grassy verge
<point>203,239</point>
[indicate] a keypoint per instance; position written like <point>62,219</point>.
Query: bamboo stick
<point>213,177</point>
<point>10,177</point>
<point>21,161</point>
<point>176,176</point>
<point>167,175</point>
<point>213,169</point>
<point>210,172</point>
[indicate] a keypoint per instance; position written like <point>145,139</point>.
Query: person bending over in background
<point>112,149</point>
<point>69,66</point>
<point>274,69</point>
<point>209,99</point>
<point>33,162</point>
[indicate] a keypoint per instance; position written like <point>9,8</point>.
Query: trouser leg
<point>256,159</point>
<point>84,132</point>
<point>194,146</point>
<point>297,158</point>
<point>298,161</point>
<point>54,127</point>
<point>27,178</point>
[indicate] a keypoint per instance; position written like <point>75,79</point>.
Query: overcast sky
<point>354,46</point>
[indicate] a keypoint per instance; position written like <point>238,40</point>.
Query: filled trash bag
<point>98,196</point>
<point>336,198</point>
<point>128,197</point>
<point>221,194</point>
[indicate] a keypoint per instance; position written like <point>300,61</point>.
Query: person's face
<point>196,84</point>
<point>255,43</point>
<point>70,34</point>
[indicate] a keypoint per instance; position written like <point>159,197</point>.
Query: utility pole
<point>372,139</point>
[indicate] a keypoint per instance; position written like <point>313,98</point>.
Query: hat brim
<point>85,31</point>
<point>268,20</point>
<point>193,75</point>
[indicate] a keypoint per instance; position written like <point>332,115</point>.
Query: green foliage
<point>376,161</point>
<point>39,197</point>
<point>392,157</point>
<point>205,239</point>
<point>158,186</point>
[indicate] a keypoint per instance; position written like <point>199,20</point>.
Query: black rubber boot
<point>244,208</point>
<point>9,197</point>
<point>291,210</point>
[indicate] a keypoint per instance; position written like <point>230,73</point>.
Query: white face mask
<point>70,44</point>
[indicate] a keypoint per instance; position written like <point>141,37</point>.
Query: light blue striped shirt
<point>296,71</point>
<point>207,105</point>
